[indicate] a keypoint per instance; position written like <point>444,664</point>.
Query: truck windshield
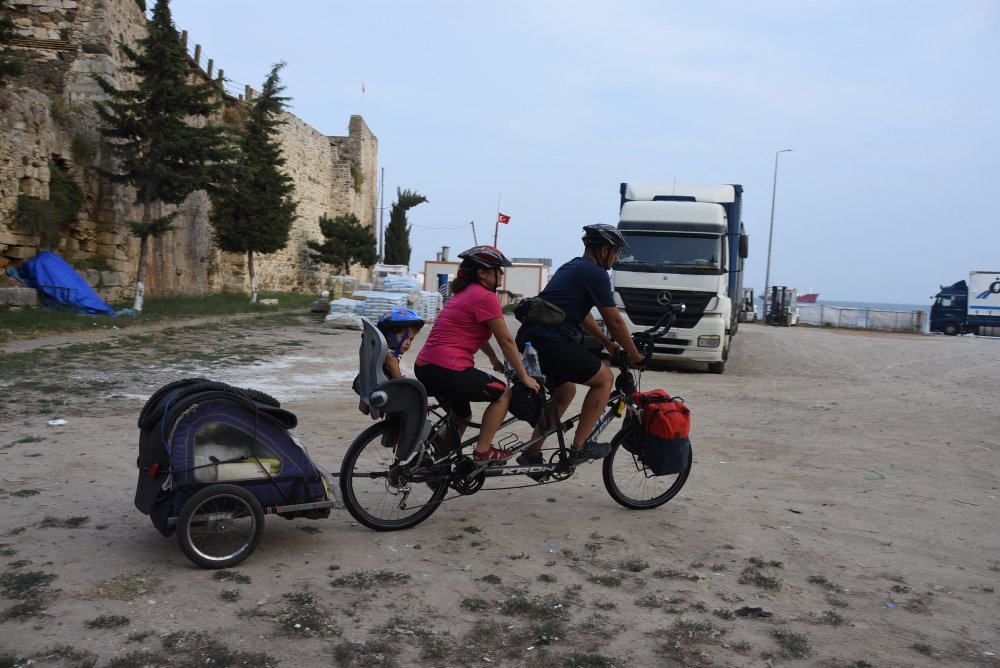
<point>677,253</point>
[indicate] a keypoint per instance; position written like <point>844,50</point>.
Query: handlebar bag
<point>666,425</point>
<point>533,310</point>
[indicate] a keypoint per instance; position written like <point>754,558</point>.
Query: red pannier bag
<point>666,424</point>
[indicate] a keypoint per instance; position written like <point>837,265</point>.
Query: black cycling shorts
<point>457,389</point>
<point>564,361</point>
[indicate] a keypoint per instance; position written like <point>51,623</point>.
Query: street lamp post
<point>770,234</point>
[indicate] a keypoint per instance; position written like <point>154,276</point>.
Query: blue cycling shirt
<point>577,286</point>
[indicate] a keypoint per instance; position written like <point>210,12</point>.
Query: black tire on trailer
<point>374,492</point>
<point>629,482</point>
<point>220,526</point>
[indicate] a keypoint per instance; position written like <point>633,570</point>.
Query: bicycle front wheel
<point>629,482</point>
<point>383,495</point>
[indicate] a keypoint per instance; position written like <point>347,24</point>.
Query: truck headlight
<point>709,341</point>
<point>713,304</point>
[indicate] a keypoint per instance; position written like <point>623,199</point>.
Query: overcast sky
<point>891,107</point>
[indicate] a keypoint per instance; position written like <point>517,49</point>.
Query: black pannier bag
<point>533,310</point>
<point>196,432</point>
<point>666,424</point>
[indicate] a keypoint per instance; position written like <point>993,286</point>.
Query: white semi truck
<point>687,245</point>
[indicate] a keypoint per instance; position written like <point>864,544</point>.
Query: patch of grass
<point>491,578</point>
<point>793,645</point>
<point>633,565</point>
<point>69,523</point>
<point>475,604</point>
<point>675,574</point>
<point>606,580</point>
<point>7,551</point>
<point>698,631</point>
<point>19,612</point>
<point>366,653</point>
<point>548,607</point>
<point>923,648</point>
<point>140,659</point>
<point>191,648</point>
<point>515,557</point>
<point>723,613</point>
<point>833,618</point>
<point>226,575</point>
<point>472,529</point>
<point>545,577</point>
<point>107,622</point>
<point>48,656</point>
<point>301,616</point>
<point>139,636</point>
<point>35,322</point>
<point>26,492</point>
<point>751,575</point>
<point>920,604</point>
<point>718,567</point>
<point>901,589</point>
<point>366,580</point>
<point>578,660</point>
<point>759,562</point>
<point>230,595</point>
<point>124,587</point>
<point>742,647</point>
<point>24,585</point>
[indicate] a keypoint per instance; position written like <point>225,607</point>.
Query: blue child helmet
<point>399,318</point>
<point>396,325</point>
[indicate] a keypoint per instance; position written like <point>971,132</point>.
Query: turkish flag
<point>503,219</point>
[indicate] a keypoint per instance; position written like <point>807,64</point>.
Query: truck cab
<point>686,245</point>
<point>948,312</point>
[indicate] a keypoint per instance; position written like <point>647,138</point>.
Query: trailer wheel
<point>950,329</point>
<point>220,526</point>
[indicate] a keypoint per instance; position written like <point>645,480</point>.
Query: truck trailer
<point>968,308</point>
<point>687,245</point>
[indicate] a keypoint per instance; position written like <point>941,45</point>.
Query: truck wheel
<point>742,316</point>
<point>716,367</point>
<point>950,329</point>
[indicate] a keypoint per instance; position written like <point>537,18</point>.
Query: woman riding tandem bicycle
<point>446,364</point>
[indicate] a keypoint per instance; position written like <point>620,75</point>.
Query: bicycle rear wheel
<point>629,482</point>
<point>383,495</point>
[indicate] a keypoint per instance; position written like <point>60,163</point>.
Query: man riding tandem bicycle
<point>397,472</point>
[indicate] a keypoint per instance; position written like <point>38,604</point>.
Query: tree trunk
<point>140,274</point>
<point>253,277</point>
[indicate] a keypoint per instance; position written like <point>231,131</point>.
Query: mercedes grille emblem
<point>663,298</point>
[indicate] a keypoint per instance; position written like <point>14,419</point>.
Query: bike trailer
<point>666,423</point>
<point>195,432</point>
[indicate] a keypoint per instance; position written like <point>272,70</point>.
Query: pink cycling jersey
<point>461,329</point>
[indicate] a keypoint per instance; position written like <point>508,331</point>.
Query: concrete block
<point>18,297</point>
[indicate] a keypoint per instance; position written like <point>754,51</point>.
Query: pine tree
<point>254,212</point>
<point>153,131</point>
<point>346,242</point>
<point>9,67</point>
<point>397,233</point>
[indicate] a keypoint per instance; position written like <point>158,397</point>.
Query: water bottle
<point>530,358</point>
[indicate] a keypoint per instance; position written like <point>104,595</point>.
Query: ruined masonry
<point>47,117</point>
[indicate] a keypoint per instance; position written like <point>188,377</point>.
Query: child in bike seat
<point>400,327</point>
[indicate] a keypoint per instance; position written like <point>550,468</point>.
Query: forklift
<point>748,309</point>
<point>781,308</point>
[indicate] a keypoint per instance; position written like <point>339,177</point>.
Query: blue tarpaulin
<point>59,284</point>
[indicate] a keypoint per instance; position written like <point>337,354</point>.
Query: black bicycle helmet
<point>603,234</point>
<point>487,257</point>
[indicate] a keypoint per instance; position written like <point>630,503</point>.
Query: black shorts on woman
<point>457,389</point>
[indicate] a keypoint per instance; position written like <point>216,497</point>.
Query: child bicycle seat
<point>403,399</point>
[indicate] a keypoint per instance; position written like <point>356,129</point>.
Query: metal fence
<point>862,318</point>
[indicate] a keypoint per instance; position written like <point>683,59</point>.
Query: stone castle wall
<point>47,115</point>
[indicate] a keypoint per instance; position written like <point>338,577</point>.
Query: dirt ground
<point>842,511</point>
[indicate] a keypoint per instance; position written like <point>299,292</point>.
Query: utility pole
<point>475,241</point>
<point>381,217</point>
